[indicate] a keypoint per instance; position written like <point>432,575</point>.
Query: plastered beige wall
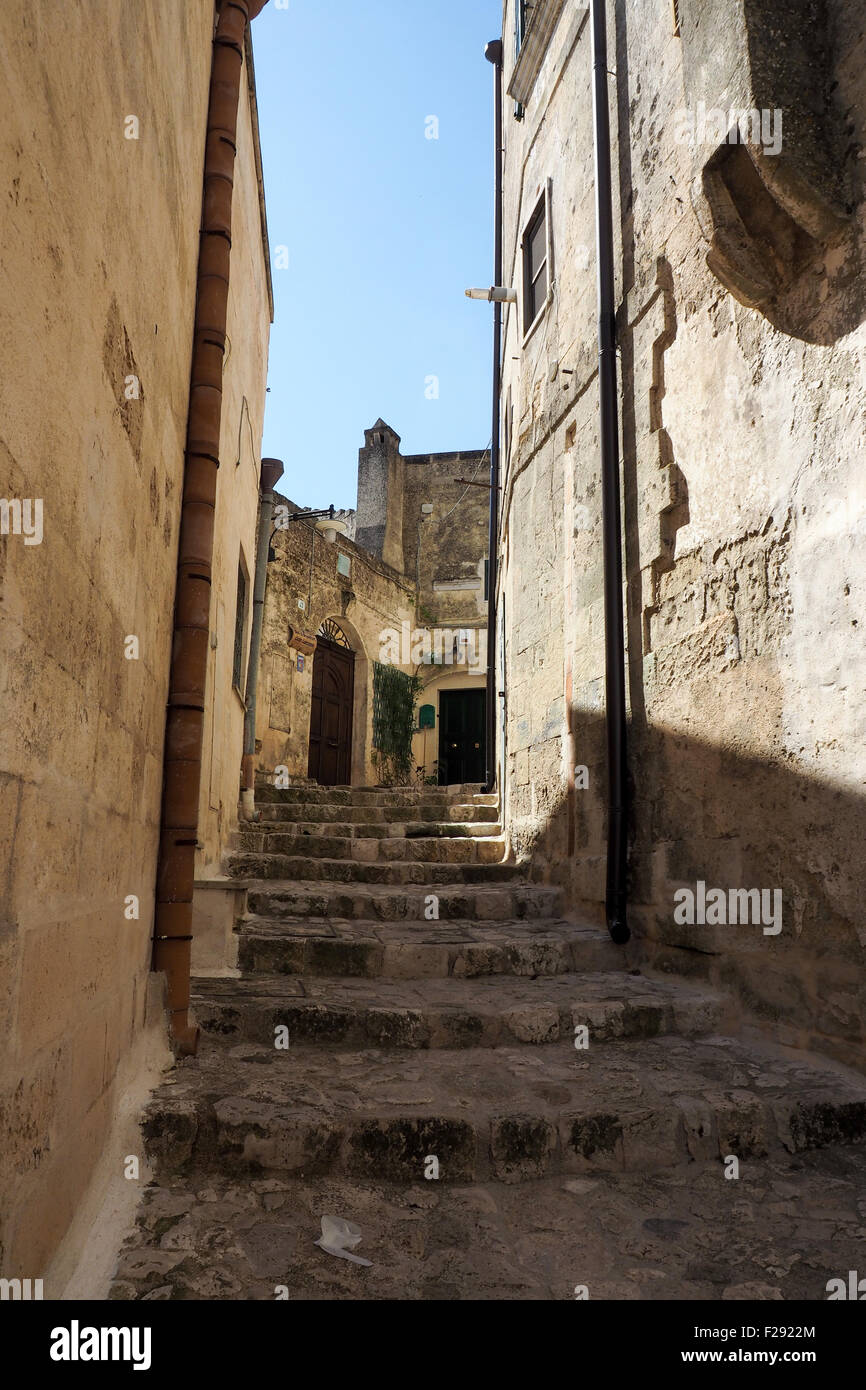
<point>425,744</point>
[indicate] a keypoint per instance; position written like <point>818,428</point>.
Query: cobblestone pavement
<point>780,1231</point>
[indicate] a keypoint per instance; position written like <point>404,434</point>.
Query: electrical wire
<point>485,455</point>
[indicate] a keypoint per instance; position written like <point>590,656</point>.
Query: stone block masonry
<point>741,351</point>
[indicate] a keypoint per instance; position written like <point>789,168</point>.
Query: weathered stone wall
<point>742,430</point>
<point>445,550</point>
<point>370,601</point>
<point>98,261</point>
<point>400,610</point>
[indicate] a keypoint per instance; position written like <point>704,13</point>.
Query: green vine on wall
<point>395,695</point>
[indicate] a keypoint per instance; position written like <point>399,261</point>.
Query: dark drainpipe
<point>272,471</point>
<point>172,933</point>
<point>493,54</point>
<point>616,903</point>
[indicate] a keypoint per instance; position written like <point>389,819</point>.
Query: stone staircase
<point>406,996</point>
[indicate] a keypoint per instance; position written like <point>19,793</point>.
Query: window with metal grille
<point>240,631</point>
<point>535,267</point>
<point>334,633</point>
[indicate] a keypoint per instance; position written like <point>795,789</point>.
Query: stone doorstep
<point>437,1013</point>
<point>477,902</point>
<point>505,1113</point>
<point>421,949</point>
<point>266,867</point>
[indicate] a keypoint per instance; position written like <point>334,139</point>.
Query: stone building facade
<point>398,582</point>
<point>103,137</point>
<point>742,370</point>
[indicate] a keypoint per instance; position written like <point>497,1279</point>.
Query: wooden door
<point>330,760</point>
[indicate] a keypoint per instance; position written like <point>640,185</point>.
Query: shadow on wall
<point>701,812</point>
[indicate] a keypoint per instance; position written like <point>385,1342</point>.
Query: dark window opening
<point>535,266</point>
<point>240,629</point>
<point>521,19</point>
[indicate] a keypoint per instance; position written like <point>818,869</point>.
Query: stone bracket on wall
<point>757,76</point>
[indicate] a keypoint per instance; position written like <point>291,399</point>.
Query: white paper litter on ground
<point>339,1237</point>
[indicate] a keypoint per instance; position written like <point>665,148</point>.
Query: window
<point>535,264</point>
<point>240,631</point>
<point>534,25</point>
<point>520,19</point>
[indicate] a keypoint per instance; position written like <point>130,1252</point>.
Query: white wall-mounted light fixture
<point>331,528</point>
<point>497,294</point>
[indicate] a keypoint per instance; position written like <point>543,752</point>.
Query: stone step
<point>490,1011</point>
<point>670,1236</point>
<point>375,796</point>
<point>413,814</point>
<point>424,950</point>
<point>395,873</point>
<point>419,830</point>
<point>477,902</point>
<point>250,834</point>
<point>467,811</point>
<point>387,849</point>
<point>502,1113</point>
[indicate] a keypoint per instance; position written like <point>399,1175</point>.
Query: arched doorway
<point>332,707</point>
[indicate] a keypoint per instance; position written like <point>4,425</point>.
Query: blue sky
<point>384,229</point>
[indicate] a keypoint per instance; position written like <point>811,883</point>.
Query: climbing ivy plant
<point>395,695</point>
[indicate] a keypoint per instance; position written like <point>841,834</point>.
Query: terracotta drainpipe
<point>172,933</point>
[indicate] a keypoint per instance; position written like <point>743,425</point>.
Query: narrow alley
<point>432,754</point>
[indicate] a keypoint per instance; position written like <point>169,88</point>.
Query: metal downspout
<point>493,54</point>
<point>616,901</point>
<point>272,471</point>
